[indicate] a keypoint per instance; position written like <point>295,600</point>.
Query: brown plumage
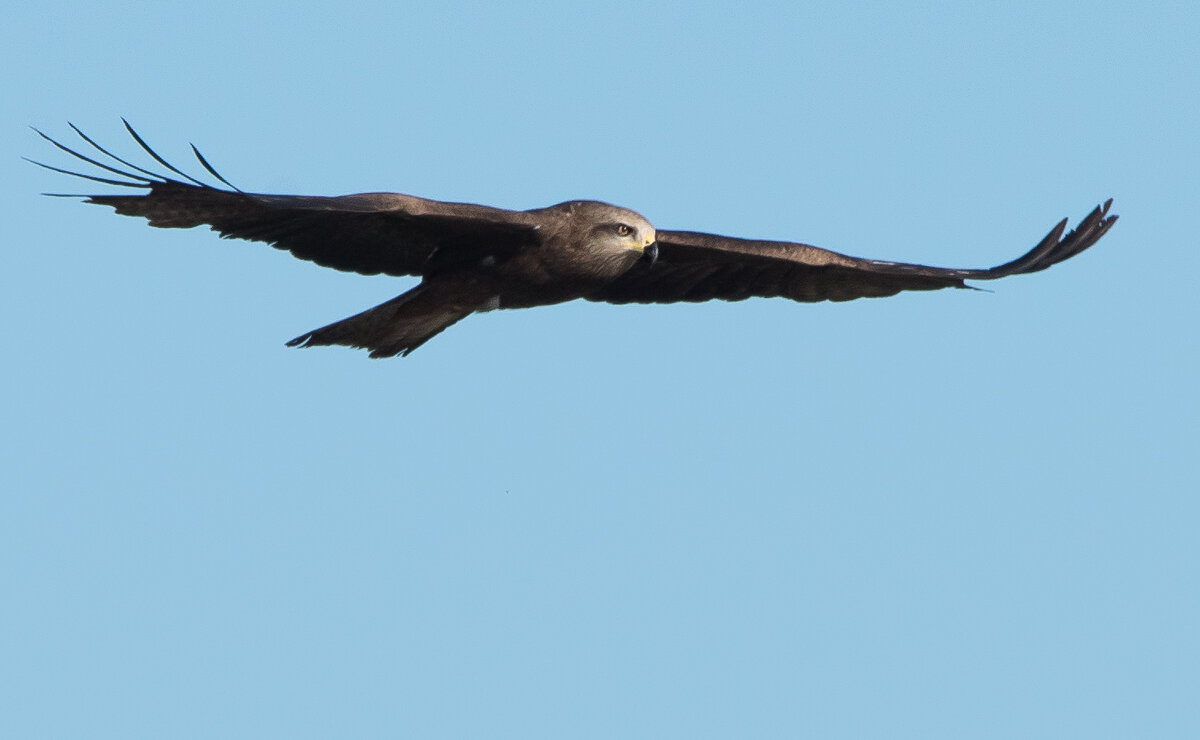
<point>476,258</point>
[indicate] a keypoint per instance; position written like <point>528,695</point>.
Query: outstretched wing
<point>702,267</point>
<point>368,233</point>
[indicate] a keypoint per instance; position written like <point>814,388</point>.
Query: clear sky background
<point>939,515</point>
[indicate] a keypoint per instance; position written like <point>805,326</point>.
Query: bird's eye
<point>624,229</point>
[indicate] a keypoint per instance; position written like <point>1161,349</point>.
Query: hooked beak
<point>651,252</point>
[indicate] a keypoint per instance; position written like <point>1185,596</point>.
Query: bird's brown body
<point>477,258</point>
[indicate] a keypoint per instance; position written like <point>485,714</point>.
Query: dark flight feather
<point>210,169</point>
<point>142,143</point>
<point>127,163</point>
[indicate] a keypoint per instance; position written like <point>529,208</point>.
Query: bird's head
<point>615,230</point>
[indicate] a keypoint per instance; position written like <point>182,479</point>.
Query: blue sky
<point>942,515</point>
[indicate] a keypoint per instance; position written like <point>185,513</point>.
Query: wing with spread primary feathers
<point>701,267</point>
<point>368,233</point>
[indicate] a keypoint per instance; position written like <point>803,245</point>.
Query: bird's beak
<point>651,252</point>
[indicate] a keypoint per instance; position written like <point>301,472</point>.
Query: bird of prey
<point>477,258</point>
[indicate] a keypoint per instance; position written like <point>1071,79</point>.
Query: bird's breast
<point>555,273</point>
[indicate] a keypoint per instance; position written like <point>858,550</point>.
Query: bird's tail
<point>404,323</point>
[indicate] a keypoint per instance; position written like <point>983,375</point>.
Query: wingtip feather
<point>142,143</point>
<point>212,171</point>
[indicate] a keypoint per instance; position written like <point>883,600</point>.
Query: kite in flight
<point>477,258</point>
